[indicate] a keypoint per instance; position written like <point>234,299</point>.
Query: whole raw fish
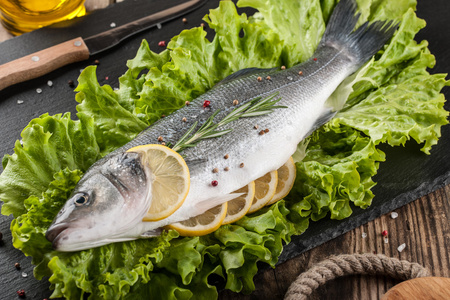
<point>115,192</point>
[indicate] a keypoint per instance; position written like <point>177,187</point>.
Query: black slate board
<point>405,176</point>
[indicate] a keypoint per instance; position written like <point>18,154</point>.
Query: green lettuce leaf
<point>335,165</point>
<point>336,171</point>
<point>300,24</point>
<point>411,108</point>
<point>49,144</point>
<point>114,124</point>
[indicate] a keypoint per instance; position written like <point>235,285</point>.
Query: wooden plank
<point>97,4</point>
<point>4,35</point>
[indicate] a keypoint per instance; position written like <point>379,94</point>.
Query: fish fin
<point>360,44</point>
<point>204,205</point>
<point>338,99</point>
<point>151,233</point>
<point>326,116</point>
<point>243,73</point>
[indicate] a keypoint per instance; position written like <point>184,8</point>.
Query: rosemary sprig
<point>253,108</point>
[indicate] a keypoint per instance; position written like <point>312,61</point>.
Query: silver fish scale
<point>244,89</point>
<point>297,92</point>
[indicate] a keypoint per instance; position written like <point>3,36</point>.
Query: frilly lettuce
<point>334,175</point>
<point>49,144</point>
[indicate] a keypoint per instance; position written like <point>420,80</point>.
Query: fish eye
<point>80,199</point>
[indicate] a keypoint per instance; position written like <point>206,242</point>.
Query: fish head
<point>108,202</point>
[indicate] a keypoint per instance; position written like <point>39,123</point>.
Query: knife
<point>79,49</point>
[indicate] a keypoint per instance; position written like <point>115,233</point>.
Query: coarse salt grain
<point>38,90</point>
<point>50,83</point>
<point>19,101</point>
<point>364,235</point>
<point>24,275</point>
<point>158,25</point>
<point>401,247</point>
<point>386,240</point>
<point>112,25</point>
<point>394,215</point>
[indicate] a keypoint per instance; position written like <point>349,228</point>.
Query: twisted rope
<point>343,265</point>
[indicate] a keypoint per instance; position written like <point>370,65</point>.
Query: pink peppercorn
<point>21,293</point>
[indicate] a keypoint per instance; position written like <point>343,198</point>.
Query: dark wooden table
<point>423,225</point>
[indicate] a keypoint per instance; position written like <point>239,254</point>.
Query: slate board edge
<point>292,249</point>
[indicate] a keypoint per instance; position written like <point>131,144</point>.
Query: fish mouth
<point>54,233</point>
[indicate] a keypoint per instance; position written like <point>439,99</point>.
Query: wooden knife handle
<point>42,62</point>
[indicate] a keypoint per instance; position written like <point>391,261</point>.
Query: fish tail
<point>362,43</point>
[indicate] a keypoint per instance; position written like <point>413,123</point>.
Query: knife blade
<point>80,49</point>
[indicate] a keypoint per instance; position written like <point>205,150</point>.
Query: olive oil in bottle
<point>20,16</point>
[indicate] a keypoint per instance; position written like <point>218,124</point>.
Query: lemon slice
<point>202,224</point>
<point>238,207</point>
<point>286,179</point>
<point>265,187</point>
<point>170,179</point>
